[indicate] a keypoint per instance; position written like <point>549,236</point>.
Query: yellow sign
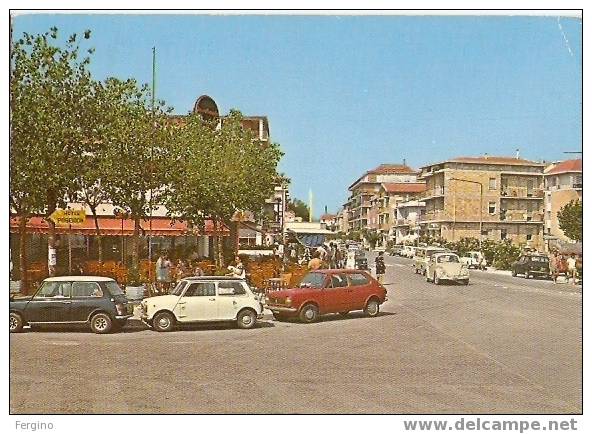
<point>68,216</point>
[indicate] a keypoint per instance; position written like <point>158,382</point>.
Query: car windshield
<point>179,288</point>
<point>539,259</point>
<point>313,280</point>
<point>114,288</point>
<point>447,258</point>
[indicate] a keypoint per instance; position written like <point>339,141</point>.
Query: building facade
<point>563,183</point>
<point>407,224</point>
<point>361,207</point>
<point>485,197</point>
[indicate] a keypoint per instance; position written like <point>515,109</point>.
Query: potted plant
<point>134,288</point>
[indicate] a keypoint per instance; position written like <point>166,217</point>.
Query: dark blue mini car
<point>93,300</point>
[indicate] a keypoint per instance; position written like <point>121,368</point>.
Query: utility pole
<point>151,163</point>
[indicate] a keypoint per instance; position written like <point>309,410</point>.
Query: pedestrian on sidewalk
<point>571,268</point>
<point>553,266</point>
<point>380,267</point>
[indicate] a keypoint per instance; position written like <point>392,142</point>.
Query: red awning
<point>161,226</point>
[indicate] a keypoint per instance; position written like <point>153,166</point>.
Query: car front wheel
<point>309,313</point>
<point>15,323</point>
<point>163,322</point>
<point>101,323</point>
<point>246,319</point>
<point>372,308</point>
<point>514,273</point>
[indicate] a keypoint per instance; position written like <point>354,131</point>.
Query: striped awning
<point>160,226</point>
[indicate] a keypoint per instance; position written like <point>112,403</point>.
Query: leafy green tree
<point>300,208</point>
<point>219,172</point>
<point>570,218</point>
<point>49,82</point>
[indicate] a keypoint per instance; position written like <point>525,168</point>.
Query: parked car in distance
<point>446,266</point>
<point>395,250</point>
<point>408,251</point>
<point>328,291</point>
<point>361,260</point>
<point>93,300</point>
<point>203,299</point>
<point>422,257</point>
<point>474,260</point>
<point>531,265</point>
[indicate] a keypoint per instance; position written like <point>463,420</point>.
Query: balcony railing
<point>433,192</point>
<point>434,215</point>
<point>522,193</point>
<point>521,216</point>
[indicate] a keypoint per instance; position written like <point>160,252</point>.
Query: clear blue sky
<point>344,94</point>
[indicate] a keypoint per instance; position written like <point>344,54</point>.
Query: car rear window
<point>358,279</point>
<point>338,281</point>
<point>86,289</point>
<point>114,288</point>
<point>231,288</point>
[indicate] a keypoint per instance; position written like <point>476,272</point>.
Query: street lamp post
<point>480,205</point>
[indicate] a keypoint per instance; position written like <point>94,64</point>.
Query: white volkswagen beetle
<point>203,299</point>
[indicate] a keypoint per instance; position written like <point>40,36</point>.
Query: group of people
<point>168,272</point>
<point>560,264</point>
<point>326,255</point>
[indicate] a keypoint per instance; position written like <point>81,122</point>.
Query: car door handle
<point>212,299</point>
<point>182,302</point>
<point>66,302</point>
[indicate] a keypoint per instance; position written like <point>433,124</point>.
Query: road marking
<point>63,343</point>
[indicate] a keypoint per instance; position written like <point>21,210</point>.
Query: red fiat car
<point>328,291</point>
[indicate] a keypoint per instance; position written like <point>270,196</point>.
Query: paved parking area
<point>499,345</point>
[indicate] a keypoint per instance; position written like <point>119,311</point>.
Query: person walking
<point>380,267</point>
<point>553,266</point>
<point>571,268</point>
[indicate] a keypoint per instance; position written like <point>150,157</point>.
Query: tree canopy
<point>570,218</point>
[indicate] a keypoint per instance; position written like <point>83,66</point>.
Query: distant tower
<point>310,205</point>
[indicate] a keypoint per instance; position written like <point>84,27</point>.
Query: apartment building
<point>359,207</point>
<point>407,227</point>
<point>563,183</point>
<point>485,198</point>
<point>385,204</point>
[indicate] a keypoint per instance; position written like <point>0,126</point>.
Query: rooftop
<point>404,187</point>
<point>566,166</point>
<point>488,159</point>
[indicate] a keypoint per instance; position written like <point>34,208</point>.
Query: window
<point>179,288</point>
<point>447,258</point>
<point>114,288</point>
<point>492,206</point>
<point>528,237</point>
<point>312,280</point>
<point>338,281</point>
<point>55,290</point>
<point>503,234</point>
<point>201,289</point>
<point>484,232</point>
<point>357,279</point>
<point>492,184</point>
<point>86,289</point>
<point>231,288</point>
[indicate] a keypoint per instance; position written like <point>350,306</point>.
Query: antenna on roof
<point>517,153</point>
<point>404,162</point>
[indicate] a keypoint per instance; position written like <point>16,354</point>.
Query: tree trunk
<point>218,253</point>
<point>23,254</point>
<point>51,237</point>
<point>98,230</point>
<point>136,246</point>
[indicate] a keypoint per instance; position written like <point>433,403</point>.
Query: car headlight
<point>288,301</point>
<point>266,299</point>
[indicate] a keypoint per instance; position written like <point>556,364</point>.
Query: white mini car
<point>203,299</point>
